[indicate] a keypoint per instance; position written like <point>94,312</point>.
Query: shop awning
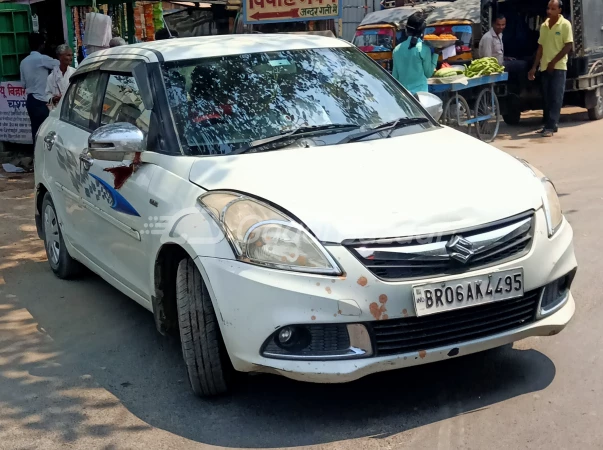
<point>458,10</point>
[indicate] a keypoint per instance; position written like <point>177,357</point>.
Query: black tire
<point>596,113</point>
<point>209,368</point>
<point>512,117</point>
<point>61,262</point>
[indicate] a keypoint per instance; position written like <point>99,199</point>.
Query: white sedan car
<point>287,207</point>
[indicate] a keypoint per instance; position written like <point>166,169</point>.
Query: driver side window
<point>123,103</point>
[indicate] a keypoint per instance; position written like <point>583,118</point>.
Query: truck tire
<point>596,113</point>
<point>61,262</point>
<point>512,117</point>
<point>209,368</point>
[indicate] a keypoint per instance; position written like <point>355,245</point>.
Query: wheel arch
<point>165,270</point>
<point>40,192</point>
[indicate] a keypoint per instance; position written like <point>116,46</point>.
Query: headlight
<point>260,234</point>
<point>552,206</point>
<point>550,200</point>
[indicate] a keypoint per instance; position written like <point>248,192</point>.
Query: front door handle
<point>86,160</point>
<point>49,140</point>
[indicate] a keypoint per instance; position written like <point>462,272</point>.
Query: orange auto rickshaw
<point>380,31</point>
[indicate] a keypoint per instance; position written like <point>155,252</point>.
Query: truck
<point>584,86</point>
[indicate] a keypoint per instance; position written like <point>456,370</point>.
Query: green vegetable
<point>483,66</point>
<point>447,72</point>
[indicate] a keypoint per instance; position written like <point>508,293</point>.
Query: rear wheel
<point>596,112</point>
<point>61,263</point>
<point>487,105</point>
<point>512,117</point>
<point>209,368</point>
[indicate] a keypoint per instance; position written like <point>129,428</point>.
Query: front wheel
<point>209,368</point>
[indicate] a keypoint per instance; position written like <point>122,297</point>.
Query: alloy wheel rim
<point>51,231</point>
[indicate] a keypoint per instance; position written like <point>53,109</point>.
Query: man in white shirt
<point>34,74</point>
<point>58,80</point>
<point>492,42</point>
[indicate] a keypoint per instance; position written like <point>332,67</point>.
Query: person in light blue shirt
<point>413,60</point>
<point>34,75</point>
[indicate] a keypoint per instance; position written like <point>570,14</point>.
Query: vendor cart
<point>479,91</point>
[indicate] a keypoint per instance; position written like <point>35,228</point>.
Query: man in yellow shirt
<point>555,43</point>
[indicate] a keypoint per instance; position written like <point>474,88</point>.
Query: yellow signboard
<point>269,11</point>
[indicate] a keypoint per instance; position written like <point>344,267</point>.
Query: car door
<point>65,139</point>
<point>117,206</point>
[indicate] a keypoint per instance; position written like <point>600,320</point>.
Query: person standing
<point>58,80</point>
<point>555,43</point>
<point>491,44</point>
<point>34,75</point>
<point>414,61</point>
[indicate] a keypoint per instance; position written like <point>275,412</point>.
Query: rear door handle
<point>49,140</point>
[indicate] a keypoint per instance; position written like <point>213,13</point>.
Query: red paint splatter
<point>422,354</point>
<point>383,299</point>
<point>362,281</point>
<point>405,313</point>
<point>328,289</point>
<point>378,312</point>
<point>313,317</point>
<point>122,173</point>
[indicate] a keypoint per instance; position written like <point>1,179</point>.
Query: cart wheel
<point>456,112</point>
<point>487,105</point>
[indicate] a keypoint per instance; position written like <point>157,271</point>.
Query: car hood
<point>429,182</point>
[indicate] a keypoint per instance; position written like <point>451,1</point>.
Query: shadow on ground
<point>73,354</point>
<point>532,121</point>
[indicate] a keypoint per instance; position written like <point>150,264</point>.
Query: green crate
<point>6,22</point>
<point>21,21</point>
<point>7,44</point>
<point>15,26</point>
<point>10,66</point>
<point>22,43</point>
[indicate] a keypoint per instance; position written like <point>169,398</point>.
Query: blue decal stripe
<point>119,202</point>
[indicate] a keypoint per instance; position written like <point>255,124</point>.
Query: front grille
<point>325,340</point>
<point>425,257</point>
<point>414,334</point>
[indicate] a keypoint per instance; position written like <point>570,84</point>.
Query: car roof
<point>210,46</point>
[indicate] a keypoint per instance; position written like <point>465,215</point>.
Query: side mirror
<point>431,103</point>
<point>116,142</point>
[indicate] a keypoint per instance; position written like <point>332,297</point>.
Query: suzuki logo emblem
<point>460,249</point>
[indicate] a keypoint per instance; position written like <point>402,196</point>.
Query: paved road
<point>81,366</point>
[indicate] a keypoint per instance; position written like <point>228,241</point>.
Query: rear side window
<point>123,103</point>
<point>77,107</point>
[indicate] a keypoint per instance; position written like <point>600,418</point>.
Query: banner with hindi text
<point>271,11</point>
<point>14,120</point>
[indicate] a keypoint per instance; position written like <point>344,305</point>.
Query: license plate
<point>465,292</point>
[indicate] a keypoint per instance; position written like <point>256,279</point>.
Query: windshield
<point>375,40</point>
<point>221,105</point>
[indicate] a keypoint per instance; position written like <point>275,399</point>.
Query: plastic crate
<point>15,26</point>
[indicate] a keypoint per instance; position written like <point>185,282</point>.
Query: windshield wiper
<point>391,126</point>
<point>287,135</point>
